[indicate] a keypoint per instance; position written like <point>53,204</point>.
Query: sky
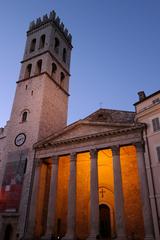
<point>116,50</point>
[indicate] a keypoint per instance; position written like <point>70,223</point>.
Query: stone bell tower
<point>39,109</point>
<point>44,77</point>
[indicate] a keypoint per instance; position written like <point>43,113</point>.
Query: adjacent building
<point>148,112</point>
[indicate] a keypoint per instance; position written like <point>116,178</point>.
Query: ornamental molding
<point>53,143</point>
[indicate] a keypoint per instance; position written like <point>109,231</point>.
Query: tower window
<point>39,67</point>
<point>54,68</point>
<point>25,166</point>
<point>56,45</point>
<point>28,71</point>
<point>158,153</point>
<point>42,41</point>
<point>24,116</point>
<point>62,79</point>
<point>64,55</point>
<point>156,124</point>
<point>33,45</point>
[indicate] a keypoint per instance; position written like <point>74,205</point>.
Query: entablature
<point>122,137</point>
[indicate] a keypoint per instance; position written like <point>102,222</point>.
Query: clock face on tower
<point>20,139</point>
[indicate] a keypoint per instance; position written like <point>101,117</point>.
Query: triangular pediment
<point>83,129</point>
<point>101,121</point>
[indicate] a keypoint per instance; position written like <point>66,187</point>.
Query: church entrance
<point>8,232</point>
<point>104,221</point>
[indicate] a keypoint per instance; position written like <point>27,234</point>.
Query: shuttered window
<point>156,124</point>
<point>158,153</point>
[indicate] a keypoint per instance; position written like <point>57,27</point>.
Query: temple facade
<point>96,178</point>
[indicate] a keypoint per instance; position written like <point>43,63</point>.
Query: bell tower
<point>44,77</point>
<point>39,109</point>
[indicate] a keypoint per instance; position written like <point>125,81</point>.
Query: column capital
<point>73,156</point>
<point>139,146</point>
<point>93,153</point>
<point>39,162</point>
<point>115,149</point>
<point>54,159</point>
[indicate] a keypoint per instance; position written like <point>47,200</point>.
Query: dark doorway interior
<point>104,221</point>
<point>8,232</point>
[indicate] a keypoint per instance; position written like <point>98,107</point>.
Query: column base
<point>69,237</point>
<point>47,237</point>
<point>93,237</point>
<point>27,238</point>
<point>121,237</point>
<point>148,238</point>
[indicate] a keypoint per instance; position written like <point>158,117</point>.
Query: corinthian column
<point>71,215</point>
<point>118,195</point>
<point>32,212</point>
<point>147,217</point>
<point>94,196</point>
<point>52,201</point>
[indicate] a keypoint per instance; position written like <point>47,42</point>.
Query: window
<point>39,67</point>
<point>33,45</point>
<point>64,55</point>
<point>24,116</point>
<point>28,71</point>
<point>25,166</point>
<point>56,45</point>
<point>62,79</point>
<point>42,41</point>
<point>158,153</point>
<point>54,68</point>
<point>157,100</point>
<point>156,124</point>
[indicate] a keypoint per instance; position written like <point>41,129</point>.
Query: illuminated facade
<point>83,181</point>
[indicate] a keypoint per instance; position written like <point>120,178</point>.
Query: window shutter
<point>156,124</point>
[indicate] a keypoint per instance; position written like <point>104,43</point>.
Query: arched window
<point>33,45</point>
<point>62,79</point>
<point>42,41</point>
<point>64,55</point>
<point>28,71</point>
<point>39,67</point>
<point>54,69</point>
<point>56,45</point>
<point>24,116</point>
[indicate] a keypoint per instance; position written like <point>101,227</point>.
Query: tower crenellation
<point>51,18</point>
<point>47,51</point>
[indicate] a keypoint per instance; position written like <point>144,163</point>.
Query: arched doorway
<point>104,221</point>
<point>8,232</point>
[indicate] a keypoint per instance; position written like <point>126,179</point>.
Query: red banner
<point>10,193</point>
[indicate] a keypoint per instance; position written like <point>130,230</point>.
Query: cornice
<point>49,144</point>
<point>42,73</point>
<point>80,123</point>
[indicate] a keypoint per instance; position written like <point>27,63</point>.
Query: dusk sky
<point>116,50</point>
